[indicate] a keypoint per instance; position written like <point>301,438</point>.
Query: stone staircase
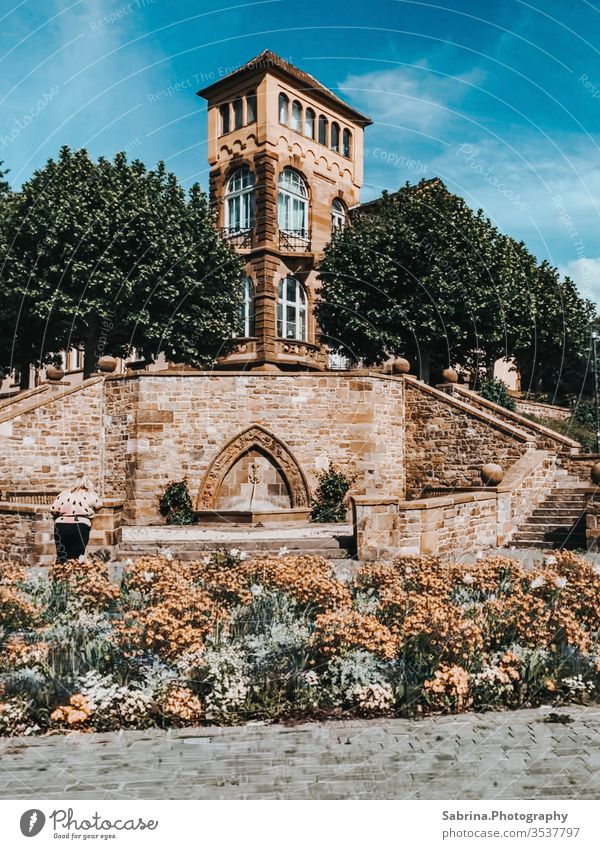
<point>332,541</point>
<point>559,520</point>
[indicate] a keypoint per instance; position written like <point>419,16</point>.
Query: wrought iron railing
<point>294,240</point>
<point>236,237</point>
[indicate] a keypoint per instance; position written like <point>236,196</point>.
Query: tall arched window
<point>335,137</point>
<point>322,129</point>
<point>239,201</point>
<point>238,113</point>
<point>283,108</point>
<point>251,107</point>
<point>292,203</point>
<point>246,317</point>
<point>338,215</point>
<point>224,113</point>
<point>296,116</point>
<point>309,126</point>
<point>291,310</point>
<point>347,143</point>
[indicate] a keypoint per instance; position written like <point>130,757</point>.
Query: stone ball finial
<point>491,474</point>
<point>107,364</point>
<point>595,473</point>
<point>450,375</point>
<point>400,365</point>
<point>54,373</point>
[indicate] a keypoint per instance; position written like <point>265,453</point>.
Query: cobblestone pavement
<point>494,755</point>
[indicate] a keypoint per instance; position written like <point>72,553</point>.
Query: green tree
<point>413,278</point>
<point>112,256</point>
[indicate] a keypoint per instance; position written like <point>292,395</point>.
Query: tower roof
<point>269,61</point>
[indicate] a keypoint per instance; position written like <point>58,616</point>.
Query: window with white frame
<point>296,122</point>
<point>239,201</point>
<point>283,108</point>
<point>292,202</point>
<point>251,107</point>
<point>335,137</point>
<point>291,310</point>
<point>338,215</point>
<point>347,143</point>
<point>246,317</point>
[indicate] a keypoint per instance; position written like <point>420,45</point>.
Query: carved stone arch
<point>255,437</point>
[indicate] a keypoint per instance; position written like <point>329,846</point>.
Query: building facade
<point>286,166</point>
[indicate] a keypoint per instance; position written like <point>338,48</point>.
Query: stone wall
<point>50,442</point>
<point>447,441</point>
<point>23,530</point>
<point>541,411</point>
<point>448,524</point>
<point>181,422</point>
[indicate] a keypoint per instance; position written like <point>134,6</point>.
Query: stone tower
<point>286,160</point>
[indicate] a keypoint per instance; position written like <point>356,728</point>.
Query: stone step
<point>555,519</point>
<point>560,532</point>
<point>327,553</point>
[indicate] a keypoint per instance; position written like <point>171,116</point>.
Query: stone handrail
<point>15,409</point>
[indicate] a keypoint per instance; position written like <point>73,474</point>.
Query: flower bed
<point>228,639</point>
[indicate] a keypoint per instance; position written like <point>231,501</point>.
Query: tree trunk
<point>24,368</point>
<point>91,355</point>
<point>425,364</point>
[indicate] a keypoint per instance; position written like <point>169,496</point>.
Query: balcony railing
<point>236,237</point>
<point>295,241</point>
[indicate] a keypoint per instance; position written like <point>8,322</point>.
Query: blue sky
<point>500,99</point>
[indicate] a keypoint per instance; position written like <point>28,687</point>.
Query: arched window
<point>246,317</point>
<point>338,215</point>
<point>224,113</point>
<point>251,107</point>
<point>296,116</point>
<point>347,143</point>
<point>239,201</point>
<point>291,310</point>
<point>238,113</point>
<point>309,126</point>
<point>322,129</point>
<point>292,204</point>
<point>283,108</point>
<point>335,137</point>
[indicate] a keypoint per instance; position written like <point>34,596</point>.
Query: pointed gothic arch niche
<point>254,471</point>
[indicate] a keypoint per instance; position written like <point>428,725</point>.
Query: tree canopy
<point>420,274</point>
<point>113,256</point>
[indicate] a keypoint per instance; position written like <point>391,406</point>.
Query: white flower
<point>168,554</point>
<point>283,551</point>
<point>468,578</point>
<point>147,576</point>
<point>311,678</point>
<point>257,589</point>
<point>234,552</point>
<point>550,560</point>
<point>128,562</point>
<point>560,582</point>
<point>408,570</point>
<point>537,582</point>
<point>243,555</point>
<point>596,568</point>
<point>81,558</point>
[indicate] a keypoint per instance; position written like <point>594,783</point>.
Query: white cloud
<point>586,274</point>
<point>412,97</point>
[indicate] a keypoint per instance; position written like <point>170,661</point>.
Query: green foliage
<point>496,390</point>
<point>176,505</point>
<point>422,275</point>
<point>112,255</point>
<point>328,503</point>
<point>572,428</point>
<point>584,413</point>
